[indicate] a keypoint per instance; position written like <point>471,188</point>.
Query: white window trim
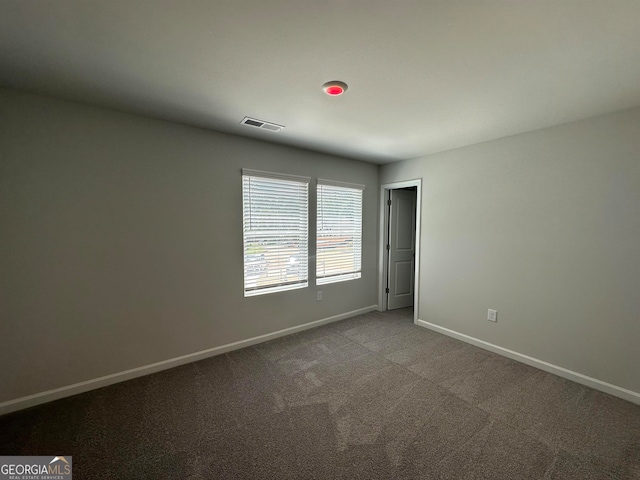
<point>335,183</point>
<point>340,277</point>
<point>343,277</point>
<point>283,286</point>
<point>278,176</point>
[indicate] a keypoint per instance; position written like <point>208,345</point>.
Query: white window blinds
<point>339,232</point>
<point>275,231</point>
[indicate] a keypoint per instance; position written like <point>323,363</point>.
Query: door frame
<point>383,264</point>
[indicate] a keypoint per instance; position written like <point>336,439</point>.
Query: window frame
<point>357,243</point>
<point>248,239</point>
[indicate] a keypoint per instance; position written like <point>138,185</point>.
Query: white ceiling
<point>424,76</point>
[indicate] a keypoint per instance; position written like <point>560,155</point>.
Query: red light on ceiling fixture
<point>334,88</point>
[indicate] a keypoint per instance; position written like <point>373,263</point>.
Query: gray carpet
<point>371,397</point>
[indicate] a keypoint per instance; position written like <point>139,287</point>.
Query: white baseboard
<point>67,391</point>
<point>614,390</point>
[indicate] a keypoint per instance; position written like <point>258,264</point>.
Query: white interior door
<point>402,248</point>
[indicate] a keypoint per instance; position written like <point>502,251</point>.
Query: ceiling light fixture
<point>335,88</point>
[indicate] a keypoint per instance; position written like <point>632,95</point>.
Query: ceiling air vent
<point>253,122</point>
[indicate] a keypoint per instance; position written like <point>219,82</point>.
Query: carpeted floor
<point>371,397</point>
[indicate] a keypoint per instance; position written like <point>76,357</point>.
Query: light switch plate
<point>492,315</point>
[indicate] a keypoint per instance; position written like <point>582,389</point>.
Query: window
<point>339,232</point>
<point>275,216</point>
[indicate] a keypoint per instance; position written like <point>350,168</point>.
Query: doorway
<point>400,245</point>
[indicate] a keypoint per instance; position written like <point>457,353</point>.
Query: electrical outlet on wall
<point>492,315</point>
<point>319,295</point>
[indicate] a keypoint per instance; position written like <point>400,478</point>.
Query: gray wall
<point>121,242</point>
<point>545,228</point>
